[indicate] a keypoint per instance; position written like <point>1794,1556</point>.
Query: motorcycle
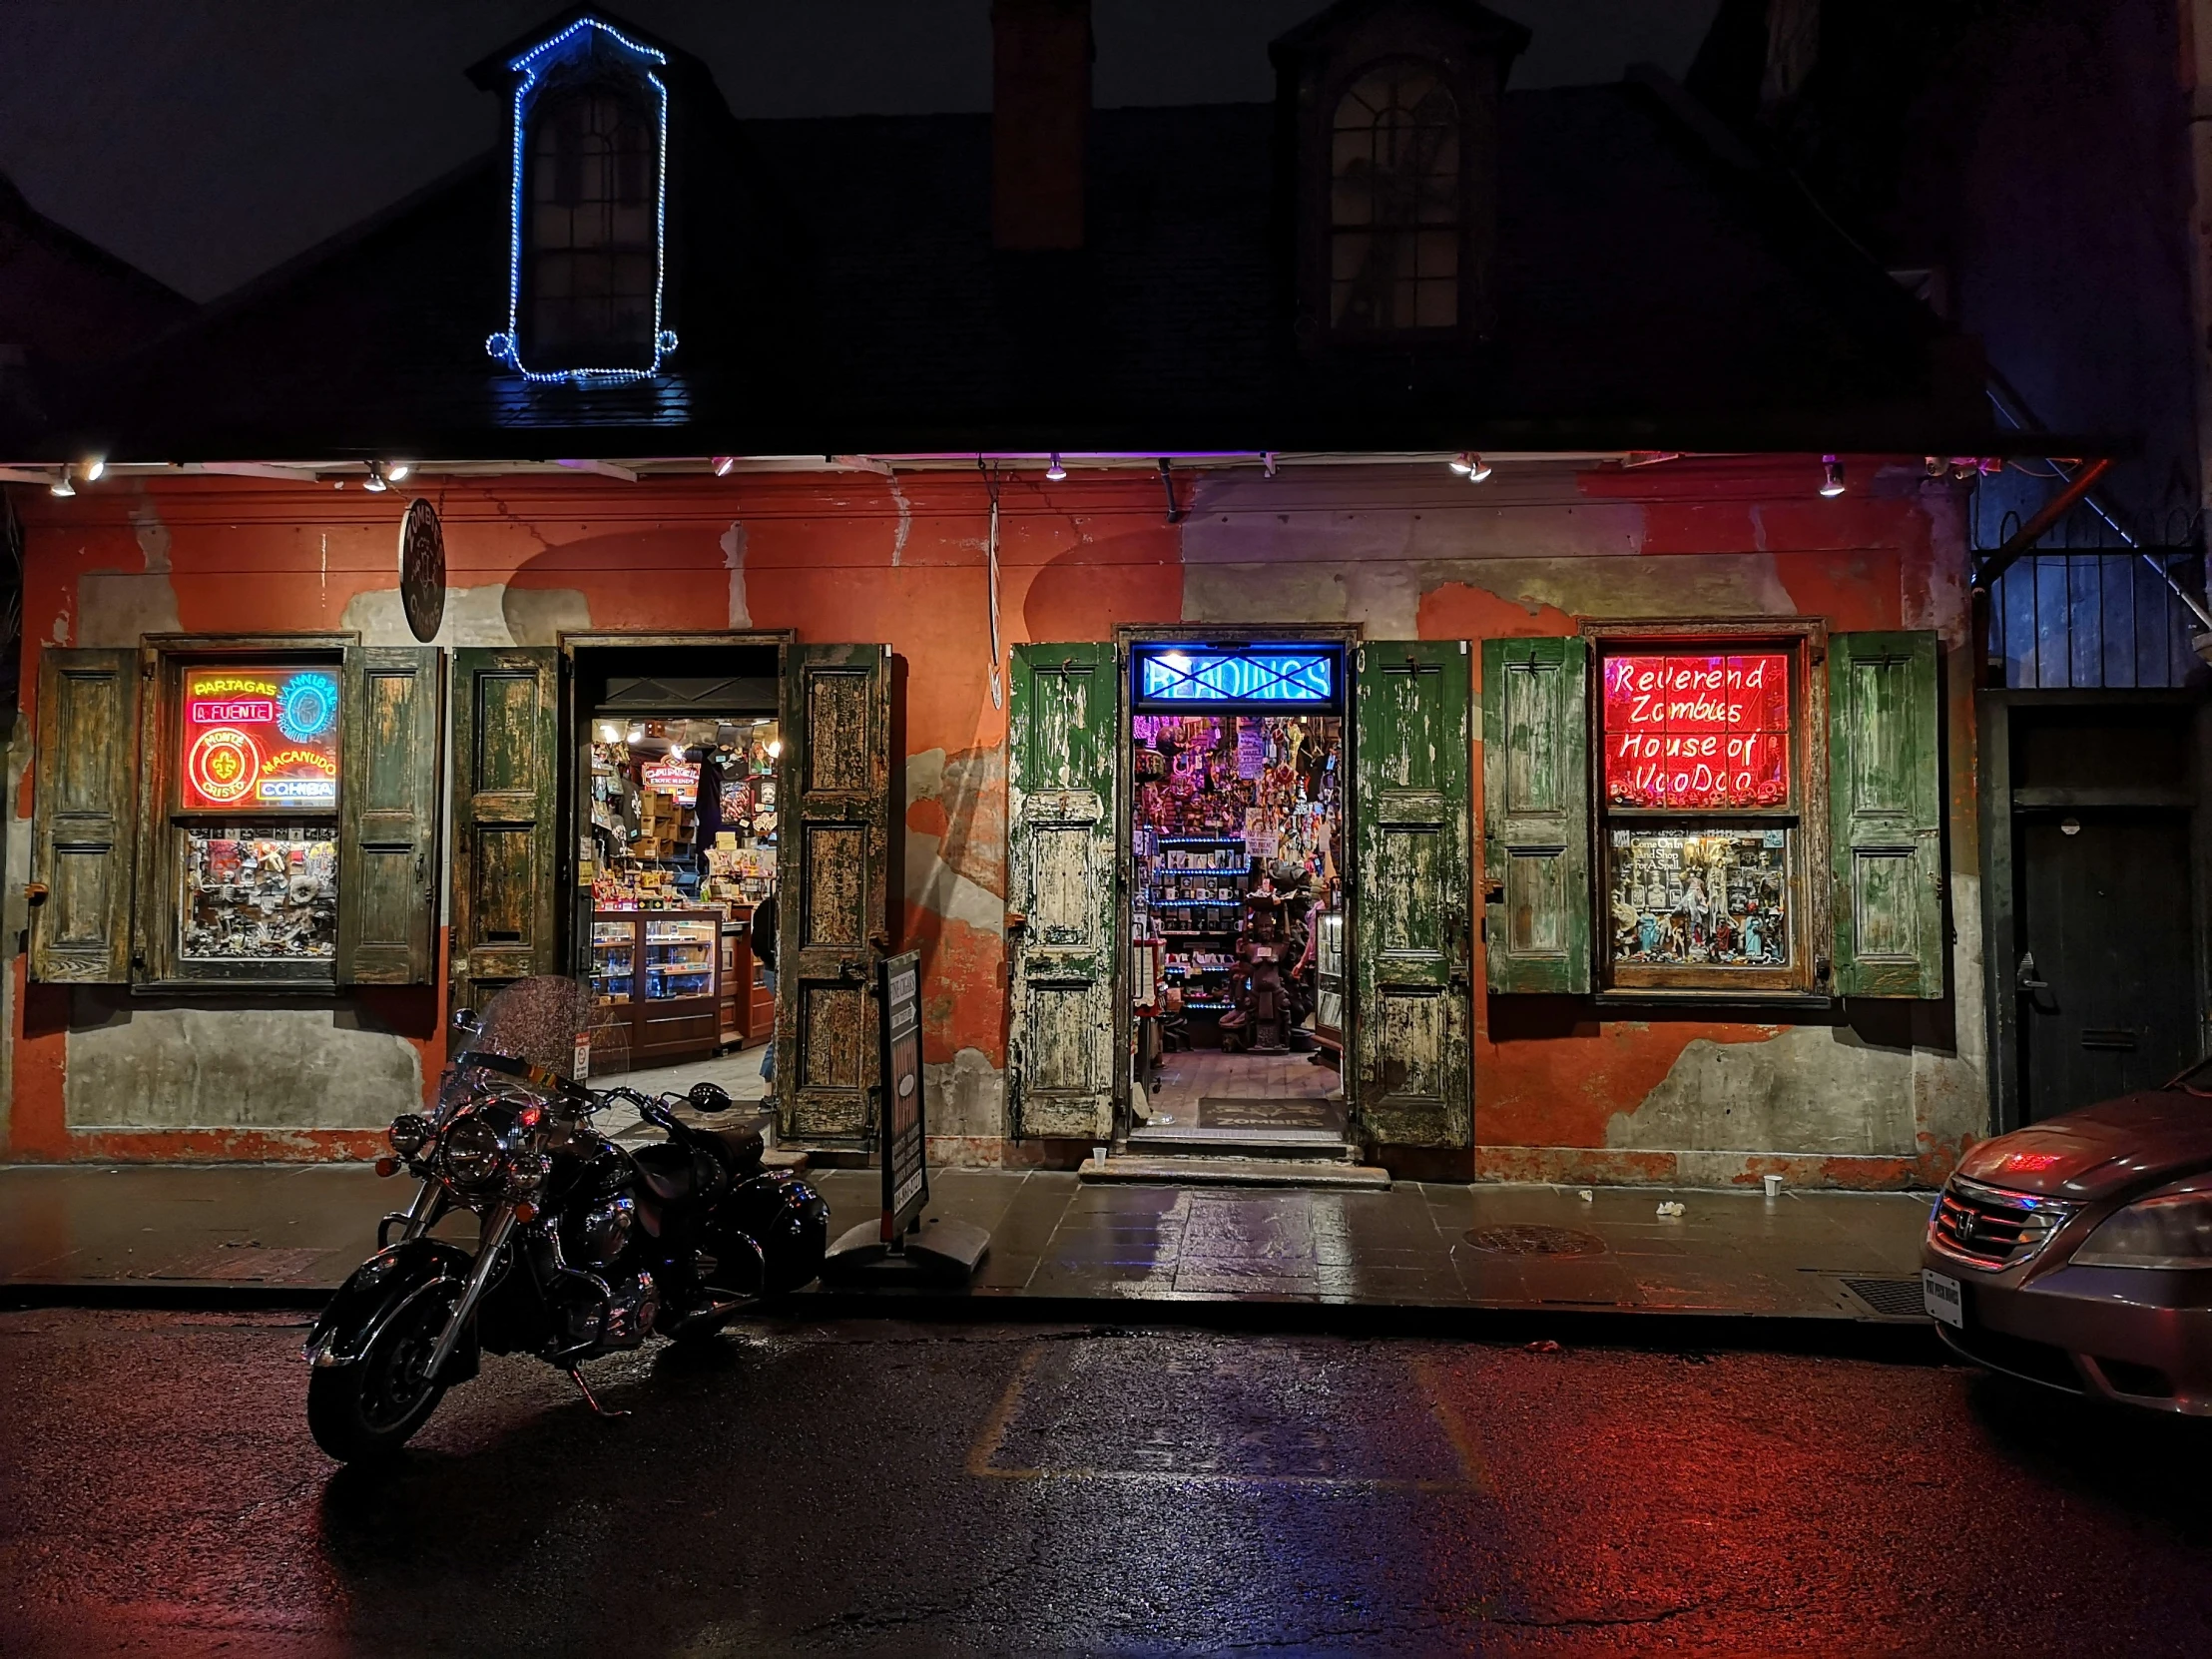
<point>583,1248</point>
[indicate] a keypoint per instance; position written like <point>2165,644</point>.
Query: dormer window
<point>1395,203</point>
<point>587,257</point>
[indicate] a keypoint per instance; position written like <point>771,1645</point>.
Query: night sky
<point>207,139</point>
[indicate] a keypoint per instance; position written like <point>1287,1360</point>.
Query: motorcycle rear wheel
<point>368,1410</point>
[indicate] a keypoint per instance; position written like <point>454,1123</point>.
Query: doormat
<point>1309,1112</point>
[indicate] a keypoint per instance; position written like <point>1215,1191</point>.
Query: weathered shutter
<point>833,868</point>
<point>1885,809</point>
<point>395,724</point>
<point>1060,889</point>
<point>1536,814</point>
<point>1414,759</point>
<point>507,764</point>
<point>84,817</point>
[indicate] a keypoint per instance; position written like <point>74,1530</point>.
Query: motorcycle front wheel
<point>370,1409</point>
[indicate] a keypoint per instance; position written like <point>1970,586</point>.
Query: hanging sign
<point>906,1143</point>
<point>259,740</point>
<point>677,778</point>
<point>423,569</point>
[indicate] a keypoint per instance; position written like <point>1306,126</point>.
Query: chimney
<point>1040,122</point>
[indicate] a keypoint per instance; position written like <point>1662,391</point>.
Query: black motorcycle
<point>584,1246</point>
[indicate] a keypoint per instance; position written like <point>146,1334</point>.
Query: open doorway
<point>1237,852</point>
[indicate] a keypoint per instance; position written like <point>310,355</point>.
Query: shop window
<point>261,813</point>
<point>1735,811</point>
<point>1702,851</point>
<point>1394,217</point>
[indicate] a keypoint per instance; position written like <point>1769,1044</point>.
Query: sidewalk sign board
<point>906,1141</point>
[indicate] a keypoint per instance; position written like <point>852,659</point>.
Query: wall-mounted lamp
<point>722,464</point>
<point>60,484</point>
<point>94,468</point>
<point>1055,471</point>
<point>1471,466</point>
<point>1832,476</point>
<point>374,483</point>
<point>397,471</point>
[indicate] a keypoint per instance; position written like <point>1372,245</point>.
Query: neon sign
<point>577,41</point>
<point>261,742</point>
<point>1698,732</point>
<point>1174,676</point>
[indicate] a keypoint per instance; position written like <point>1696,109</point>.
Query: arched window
<point>1394,218</point>
<point>590,239</point>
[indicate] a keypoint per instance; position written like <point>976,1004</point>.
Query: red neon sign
<point>259,739</point>
<point>1698,732</point>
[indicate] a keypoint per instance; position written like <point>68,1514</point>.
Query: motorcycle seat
<point>740,1149</point>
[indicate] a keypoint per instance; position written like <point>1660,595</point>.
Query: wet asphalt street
<point>918,1488</point>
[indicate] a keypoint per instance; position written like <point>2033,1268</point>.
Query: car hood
<point>2101,1150</point>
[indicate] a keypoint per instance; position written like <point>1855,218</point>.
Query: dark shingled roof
<point>1656,288</point>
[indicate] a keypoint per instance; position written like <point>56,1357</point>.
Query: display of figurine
<point>1260,1020</point>
<point>259,898</point>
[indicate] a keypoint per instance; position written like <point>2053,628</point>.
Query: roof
<point>1656,288</point>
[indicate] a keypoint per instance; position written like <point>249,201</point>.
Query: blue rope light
<point>507,347</point>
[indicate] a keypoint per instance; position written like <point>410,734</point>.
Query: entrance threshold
<point>1234,1164</point>
<point>1198,1140</point>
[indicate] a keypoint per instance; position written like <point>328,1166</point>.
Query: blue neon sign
<point>1274,675</point>
<point>574,42</point>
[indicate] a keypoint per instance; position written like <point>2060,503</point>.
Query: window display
<point>259,739</point>
<point>267,895</point>
<point>1717,896</point>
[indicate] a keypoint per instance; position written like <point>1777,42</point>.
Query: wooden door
<point>1884,798</point>
<point>1536,816</point>
<point>1413,757</point>
<point>2107,977</point>
<point>1060,889</point>
<point>832,867</point>
<point>506,766</point>
<point>394,754</point>
<point>84,829</point>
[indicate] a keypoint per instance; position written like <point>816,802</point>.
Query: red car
<point>2077,1252</point>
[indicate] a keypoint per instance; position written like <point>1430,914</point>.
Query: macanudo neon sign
<point>575,43</point>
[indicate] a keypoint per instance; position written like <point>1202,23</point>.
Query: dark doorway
<point>2108,974</point>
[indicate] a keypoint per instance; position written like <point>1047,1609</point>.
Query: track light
<point>1462,463</point>
<point>637,733</point>
<point>95,469</point>
<point>1832,476</point>
<point>397,471</point>
<point>374,483</point>
<point>1055,471</point>
<point>1477,469</point>
<point>774,747</point>
<point>722,464</point>
<point>60,484</point>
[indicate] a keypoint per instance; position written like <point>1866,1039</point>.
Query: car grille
<point>1993,1228</point>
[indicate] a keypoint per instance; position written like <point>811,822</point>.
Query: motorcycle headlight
<point>2169,1229</point>
<point>472,1155</point>
<point>410,1133</point>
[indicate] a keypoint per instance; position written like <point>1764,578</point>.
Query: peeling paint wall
<point>1873,1096</point>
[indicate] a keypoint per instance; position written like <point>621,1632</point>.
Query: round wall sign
<point>423,569</point>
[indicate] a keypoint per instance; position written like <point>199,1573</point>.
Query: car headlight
<point>2169,1229</point>
<point>472,1154</point>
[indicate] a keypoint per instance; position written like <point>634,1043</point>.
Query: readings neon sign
<point>1170,675</point>
<point>573,42</point>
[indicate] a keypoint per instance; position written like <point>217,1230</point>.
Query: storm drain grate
<point>1535,1241</point>
<point>1891,1297</point>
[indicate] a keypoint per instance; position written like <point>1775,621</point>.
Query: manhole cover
<point>1535,1241</point>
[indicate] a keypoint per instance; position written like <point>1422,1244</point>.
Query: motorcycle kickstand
<point>577,1376</point>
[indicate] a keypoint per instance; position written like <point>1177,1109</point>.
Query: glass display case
<point>614,953</point>
<point>656,977</point>
<point>679,954</point>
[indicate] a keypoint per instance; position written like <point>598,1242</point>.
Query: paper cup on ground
<point>1773,1186</point>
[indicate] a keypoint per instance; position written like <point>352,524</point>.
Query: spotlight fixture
<point>1462,463</point>
<point>1934,465</point>
<point>95,469</point>
<point>637,733</point>
<point>397,471</point>
<point>775,748</point>
<point>374,483</point>
<point>1832,476</point>
<point>722,464</point>
<point>1055,471</point>
<point>1477,469</point>
<point>60,484</point>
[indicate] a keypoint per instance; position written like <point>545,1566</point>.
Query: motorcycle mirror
<point>464,1020</point>
<point>710,1097</point>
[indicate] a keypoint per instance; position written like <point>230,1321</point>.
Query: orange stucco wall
<point>858,557</point>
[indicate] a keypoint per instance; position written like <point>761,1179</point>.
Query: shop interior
<point>676,843</point>
<point>1237,920</point>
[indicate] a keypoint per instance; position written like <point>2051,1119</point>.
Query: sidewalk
<point>287,1235</point>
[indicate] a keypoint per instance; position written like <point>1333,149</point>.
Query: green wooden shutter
<point>83,821</point>
<point>393,757</point>
<point>506,766</point>
<point>1536,814</point>
<point>1413,757</point>
<point>1885,798</point>
<point>832,867</point>
<point>1060,886</point>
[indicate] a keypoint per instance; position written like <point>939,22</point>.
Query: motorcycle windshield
<point>551,1022</point>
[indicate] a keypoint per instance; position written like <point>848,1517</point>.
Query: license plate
<point>1941,1299</point>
